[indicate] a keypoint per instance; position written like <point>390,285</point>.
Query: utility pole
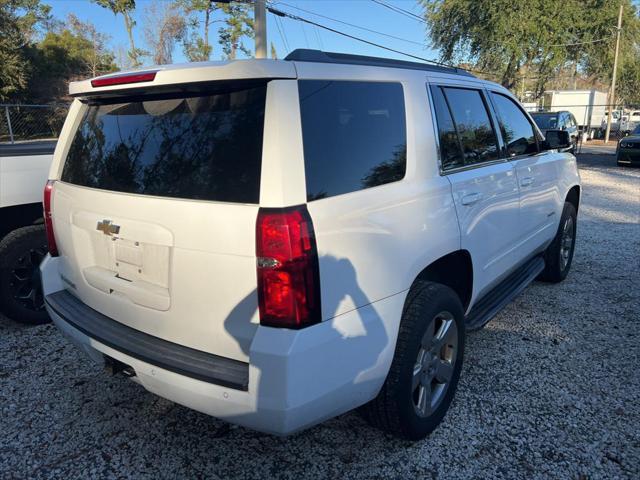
<point>260,28</point>
<point>612,92</point>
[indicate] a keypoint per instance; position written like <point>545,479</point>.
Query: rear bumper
<point>295,378</point>
<point>156,351</point>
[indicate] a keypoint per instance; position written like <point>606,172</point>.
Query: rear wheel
<point>559,254</point>
<point>21,296</point>
<point>426,366</point>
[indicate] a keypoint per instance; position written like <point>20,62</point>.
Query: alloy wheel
<point>566,242</point>
<point>434,366</point>
<point>25,283</point>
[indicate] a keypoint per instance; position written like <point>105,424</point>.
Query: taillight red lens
<point>48,222</point>
<point>124,79</point>
<point>288,271</point>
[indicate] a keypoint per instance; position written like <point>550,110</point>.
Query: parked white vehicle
<point>633,121</point>
<point>278,242</point>
<point>24,168</point>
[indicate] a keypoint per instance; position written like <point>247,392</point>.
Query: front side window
<point>517,132</point>
<point>477,137</point>
<point>354,135</point>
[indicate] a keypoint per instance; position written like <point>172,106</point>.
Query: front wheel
<point>21,252</point>
<point>426,366</point>
<point>559,253</point>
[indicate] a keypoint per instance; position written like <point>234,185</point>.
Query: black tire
<point>21,252</point>
<point>394,409</point>
<point>556,269</point>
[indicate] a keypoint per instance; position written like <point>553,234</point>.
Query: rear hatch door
<point>154,213</point>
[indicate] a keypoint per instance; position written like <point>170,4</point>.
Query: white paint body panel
<point>200,287</point>
<point>22,179</point>
<point>487,203</point>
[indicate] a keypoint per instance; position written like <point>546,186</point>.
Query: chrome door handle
<point>471,198</point>
<point>526,181</point>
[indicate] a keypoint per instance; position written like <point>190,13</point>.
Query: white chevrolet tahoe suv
<point>278,242</point>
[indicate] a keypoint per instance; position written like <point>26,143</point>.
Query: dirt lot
<point>550,388</point>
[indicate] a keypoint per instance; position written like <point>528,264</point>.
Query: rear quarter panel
<point>373,243</point>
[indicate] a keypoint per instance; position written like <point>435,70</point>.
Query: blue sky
<point>364,13</point>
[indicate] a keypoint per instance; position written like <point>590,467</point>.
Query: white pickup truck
<point>23,243</point>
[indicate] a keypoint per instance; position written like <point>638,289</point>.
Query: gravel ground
<point>549,390</point>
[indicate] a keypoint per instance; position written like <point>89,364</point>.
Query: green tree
<point>90,47</point>
<point>598,57</point>
<point>542,39</point>
<point>126,9</point>
<point>72,51</point>
<point>164,25</point>
<point>238,24</point>
<point>18,21</point>
<point>197,47</point>
<point>504,36</point>
<point>628,90</point>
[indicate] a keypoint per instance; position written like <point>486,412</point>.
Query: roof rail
<point>318,56</point>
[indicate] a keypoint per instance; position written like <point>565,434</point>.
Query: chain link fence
<point>19,123</point>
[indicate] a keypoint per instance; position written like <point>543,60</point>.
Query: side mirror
<point>557,140</point>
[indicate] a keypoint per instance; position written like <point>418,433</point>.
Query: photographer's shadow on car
<point>346,375</point>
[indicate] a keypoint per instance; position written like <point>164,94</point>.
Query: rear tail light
<point>287,264</point>
<point>48,222</point>
<point>124,79</point>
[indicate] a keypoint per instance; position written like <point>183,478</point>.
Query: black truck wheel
<point>21,253</point>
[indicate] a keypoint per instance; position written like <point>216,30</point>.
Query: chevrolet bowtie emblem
<point>108,228</point>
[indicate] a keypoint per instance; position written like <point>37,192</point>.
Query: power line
<point>280,13</point>
<point>412,15</point>
<point>582,43</point>
<point>351,24</point>
<point>317,34</point>
<point>401,11</point>
<point>282,36</point>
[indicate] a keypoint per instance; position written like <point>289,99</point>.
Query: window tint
<point>472,121</point>
<point>545,121</point>
<point>562,121</point>
<point>354,135</point>
<point>517,132</point>
<point>450,153</point>
<point>206,147</point>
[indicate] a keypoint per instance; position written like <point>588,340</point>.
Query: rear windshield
<point>204,147</point>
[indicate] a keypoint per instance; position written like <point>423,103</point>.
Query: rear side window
<point>450,153</point>
<point>517,132</point>
<point>477,138</point>
<point>354,135</point>
<point>205,147</point>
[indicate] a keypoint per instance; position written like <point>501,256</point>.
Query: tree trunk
<point>133,54</point>
<point>508,79</point>
<point>205,53</point>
